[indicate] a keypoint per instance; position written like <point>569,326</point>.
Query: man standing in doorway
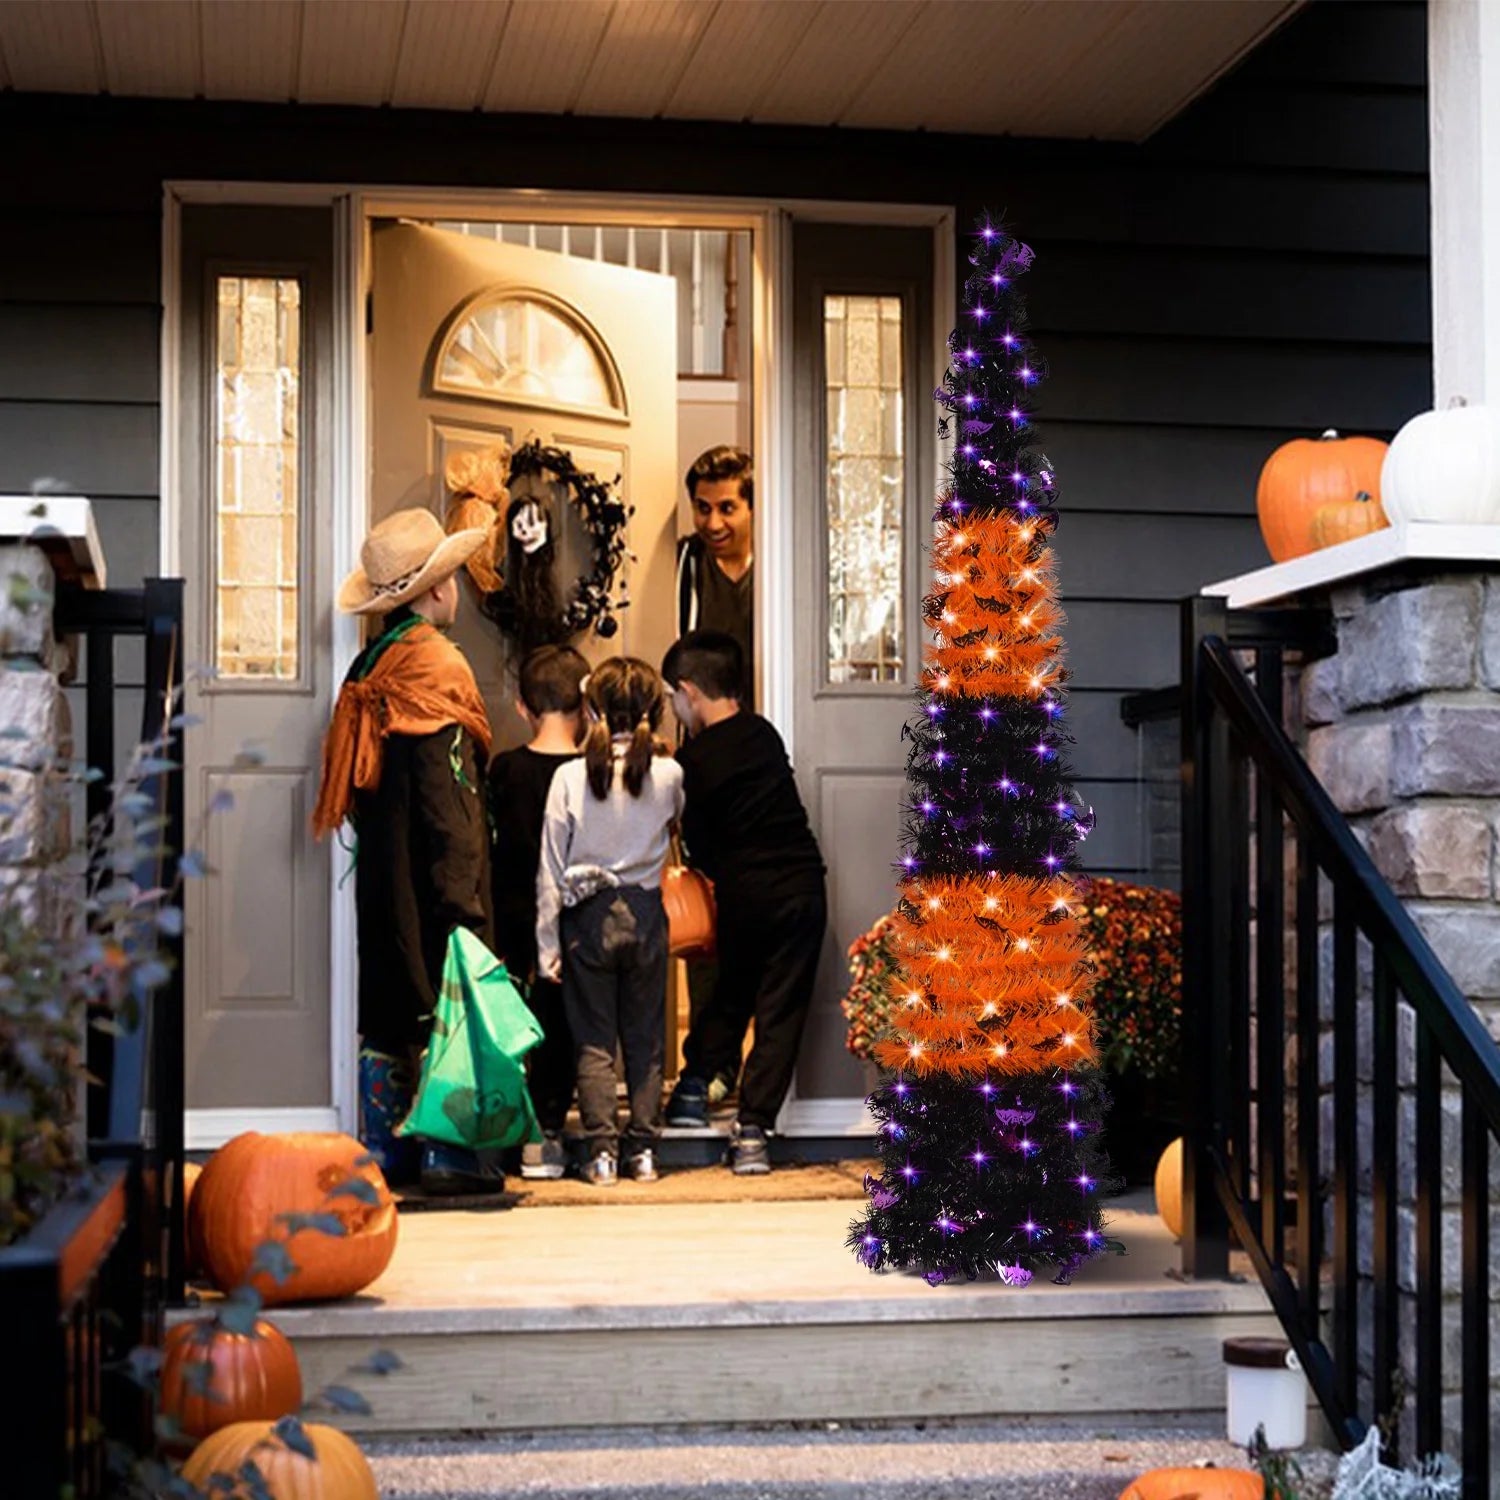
<point>716,565</point>
<point>716,591</point>
<point>404,761</point>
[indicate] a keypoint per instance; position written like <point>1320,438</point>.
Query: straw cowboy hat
<point>405,555</point>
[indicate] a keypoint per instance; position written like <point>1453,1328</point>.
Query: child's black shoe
<point>688,1106</point>
<point>749,1151</point>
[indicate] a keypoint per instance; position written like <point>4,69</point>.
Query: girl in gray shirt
<point>601,928</point>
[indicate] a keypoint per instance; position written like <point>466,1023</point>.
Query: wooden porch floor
<point>752,1311</point>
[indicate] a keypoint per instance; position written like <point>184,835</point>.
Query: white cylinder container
<point>1265,1389</point>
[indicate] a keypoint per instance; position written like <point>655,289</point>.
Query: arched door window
<point>528,347</point>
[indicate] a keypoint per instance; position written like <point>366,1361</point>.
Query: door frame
<point>356,206</point>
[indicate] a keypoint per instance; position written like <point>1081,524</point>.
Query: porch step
<point>539,1319</point>
<point>930,1461</point>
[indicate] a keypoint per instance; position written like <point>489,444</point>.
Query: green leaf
<point>381,1362</point>
<point>357,1187</point>
<point>342,1398</point>
<point>272,1259</point>
<point>240,1310</point>
<point>291,1432</point>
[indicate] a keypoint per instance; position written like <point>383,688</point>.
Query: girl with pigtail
<point>601,927</point>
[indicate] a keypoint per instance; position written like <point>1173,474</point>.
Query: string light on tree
<point>992,1111</point>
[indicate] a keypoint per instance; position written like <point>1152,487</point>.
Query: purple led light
<point>941,756</point>
<point>1025,1144</point>
<point>981,848</point>
<point>968,450</point>
<point>978,1158</point>
<point>986,713</point>
<point>1023,505</point>
<point>979,313</point>
<point>1066,1087</point>
<point>1072,1127</point>
<point>986,1089</point>
<point>1015,414</point>
<point>908,1172</point>
<point>901,1089</point>
<point>1027,373</point>
<point>909,862</point>
<point>928,808</point>
<point>1017,477</point>
<point>1009,340</point>
<point>1029,1227</point>
<point>1085,1182</point>
<point>1052,861</point>
<point>989,233</point>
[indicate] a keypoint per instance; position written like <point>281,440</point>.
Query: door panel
<point>865,453</point>
<point>474,340</point>
<point>256,381</point>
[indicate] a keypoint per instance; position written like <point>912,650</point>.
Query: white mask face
<point>529,527</point>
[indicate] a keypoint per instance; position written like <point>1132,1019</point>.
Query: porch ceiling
<point>1114,69</point>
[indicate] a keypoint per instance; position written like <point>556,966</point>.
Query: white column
<point>1463,50</point>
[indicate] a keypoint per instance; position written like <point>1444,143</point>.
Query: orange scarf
<point>420,683</point>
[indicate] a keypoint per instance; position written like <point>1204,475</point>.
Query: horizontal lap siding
<point>80,323</point>
<point>1264,276</point>
<point>1257,271</point>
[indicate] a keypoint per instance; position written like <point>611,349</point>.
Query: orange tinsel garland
<point>993,977</point>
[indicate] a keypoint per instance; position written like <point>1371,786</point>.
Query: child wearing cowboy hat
<point>404,762</point>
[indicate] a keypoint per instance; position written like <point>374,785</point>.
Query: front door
<point>475,341</point>
<point>255,382</point>
<point>865,458</point>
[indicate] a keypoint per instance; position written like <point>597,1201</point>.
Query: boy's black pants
<point>768,950</point>
<point>551,1066</point>
<point>614,985</point>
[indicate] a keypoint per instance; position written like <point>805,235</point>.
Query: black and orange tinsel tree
<point>991,1111</point>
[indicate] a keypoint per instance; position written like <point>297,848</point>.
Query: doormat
<point>787,1184</point>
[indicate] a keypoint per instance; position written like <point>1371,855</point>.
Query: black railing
<point>1290,930</point>
<point>90,1283</point>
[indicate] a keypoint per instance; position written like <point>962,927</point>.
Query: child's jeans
<point>614,950</point>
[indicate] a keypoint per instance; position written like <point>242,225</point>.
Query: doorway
<point>750,393</point>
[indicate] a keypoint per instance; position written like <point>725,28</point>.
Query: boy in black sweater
<point>551,702</point>
<point>745,827</point>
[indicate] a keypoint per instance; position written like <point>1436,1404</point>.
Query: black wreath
<point>526,604</point>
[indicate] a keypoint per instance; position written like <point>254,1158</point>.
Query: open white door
<point>472,340</point>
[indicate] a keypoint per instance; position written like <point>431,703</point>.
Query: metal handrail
<point>1249,799</point>
<point>1426,985</point>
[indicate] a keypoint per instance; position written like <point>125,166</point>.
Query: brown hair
<point>623,696</point>
<point>723,462</point>
<point>552,679</point>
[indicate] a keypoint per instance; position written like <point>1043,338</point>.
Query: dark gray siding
<point>1263,274</point>
<point>1255,272</point>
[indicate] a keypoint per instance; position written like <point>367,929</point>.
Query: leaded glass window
<point>521,348</point>
<point>865,488</point>
<point>257,362</point>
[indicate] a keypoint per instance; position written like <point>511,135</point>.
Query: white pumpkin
<point>1445,466</point>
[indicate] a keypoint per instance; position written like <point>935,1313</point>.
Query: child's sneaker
<point>688,1106</point>
<point>543,1160</point>
<point>601,1171</point>
<point>749,1151</point>
<point>641,1165</point>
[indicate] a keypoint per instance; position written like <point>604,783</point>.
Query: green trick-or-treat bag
<point>473,1086</point>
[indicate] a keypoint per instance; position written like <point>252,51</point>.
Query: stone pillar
<point>35,875</point>
<point>1404,732</point>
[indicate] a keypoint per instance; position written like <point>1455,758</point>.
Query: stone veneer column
<point>1404,732</point>
<point>35,745</point>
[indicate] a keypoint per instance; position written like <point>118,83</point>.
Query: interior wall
<point>1255,272</point>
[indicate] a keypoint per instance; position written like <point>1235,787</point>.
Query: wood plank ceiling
<point>1112,69</point>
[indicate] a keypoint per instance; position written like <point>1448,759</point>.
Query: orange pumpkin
<point>250,1376</point>
<point>1169,1188</point>
<point>1348,519</point>
<point>1196,1484</point>
<point>1306,476</point>
<point>338,1472</point>
<point>191,1172</point>
<point>253,1183</point>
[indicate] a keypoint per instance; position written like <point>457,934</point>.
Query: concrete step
<point>672,1313</point>
<point>831,1461</point>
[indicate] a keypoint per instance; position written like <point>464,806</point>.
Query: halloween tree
<point>990,1110</point>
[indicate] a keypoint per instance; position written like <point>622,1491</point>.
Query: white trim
<point>825,1117</point>
<point>771,347</point>
<point>1417,541</point>
<point>350,415</point>
<point>208,1129</point>
<point>48,520</point>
